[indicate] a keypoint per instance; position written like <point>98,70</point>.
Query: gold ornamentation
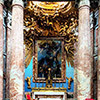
<point>49,87</point>
<point>46,19</point>
<point>49,80</point>
<point>69,82</point>
<point>45,89</point>
<point>28,80</point>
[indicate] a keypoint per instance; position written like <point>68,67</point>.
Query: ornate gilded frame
<point>35,61</point>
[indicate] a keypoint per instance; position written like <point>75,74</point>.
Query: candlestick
<point>35,84</point>
<point>59,83</point>
<point>42,84</point>
<point>55,84</point>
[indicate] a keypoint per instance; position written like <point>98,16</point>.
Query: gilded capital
<point>19,2</point>
<point>1,1</point>
<point>84,2</point>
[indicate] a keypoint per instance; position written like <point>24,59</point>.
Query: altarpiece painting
<point>49,53</point>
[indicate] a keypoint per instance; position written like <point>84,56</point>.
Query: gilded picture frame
<point>36,68</point>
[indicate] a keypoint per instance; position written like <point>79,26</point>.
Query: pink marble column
<point>98,68</point>
<point>1,49</point>
<point>16,60</point>
<point>84,55</point>
<point>8,60</point>
<point>75,70</point>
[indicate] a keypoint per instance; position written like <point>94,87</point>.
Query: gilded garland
<point>50,19</point>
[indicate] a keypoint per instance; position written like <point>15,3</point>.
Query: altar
<point>49,92</point>
<point>49,95</point>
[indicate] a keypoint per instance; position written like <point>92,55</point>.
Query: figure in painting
<point>49,56</point>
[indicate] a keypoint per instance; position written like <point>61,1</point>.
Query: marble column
<point>75,70</point>
<point>8,60</point>
<point>84,55</point>
<point>98,68</point>
<point>16,60</point>
<point>1,49</point>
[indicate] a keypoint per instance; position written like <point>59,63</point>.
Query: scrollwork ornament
<point>38,24</point>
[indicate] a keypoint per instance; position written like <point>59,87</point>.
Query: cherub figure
<point>28,80</point>
<point>69,82</point>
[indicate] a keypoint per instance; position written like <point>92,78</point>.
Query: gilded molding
<point>18,2</point>
<point>84,2</point>
<point>1,1</point>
